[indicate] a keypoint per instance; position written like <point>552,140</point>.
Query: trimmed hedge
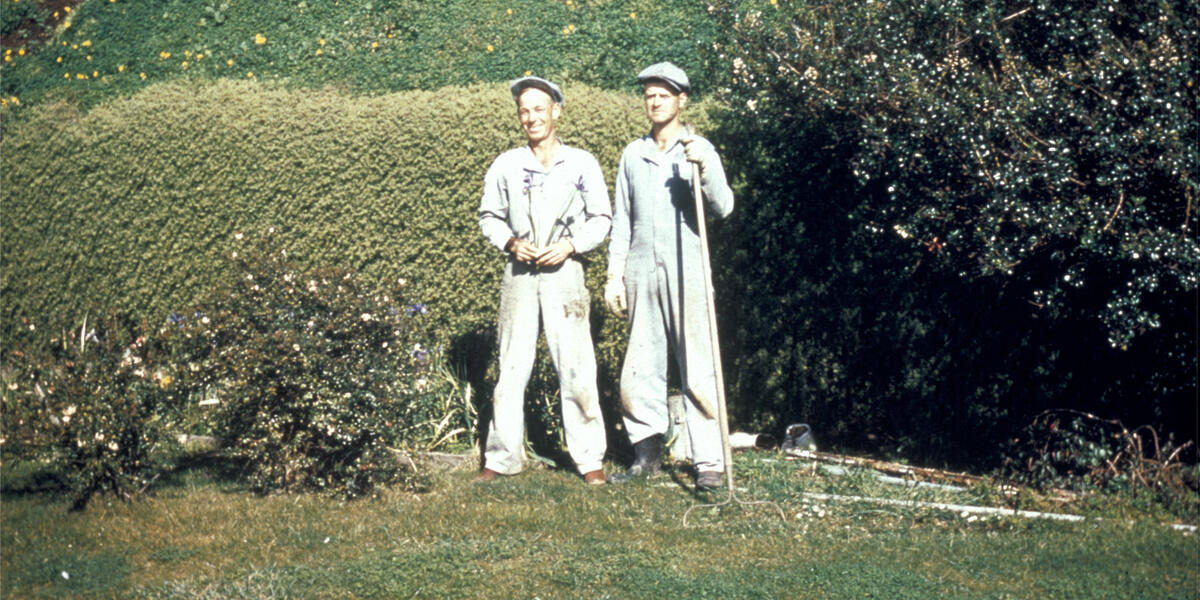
<point>131,204</point>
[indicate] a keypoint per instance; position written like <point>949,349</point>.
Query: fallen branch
<point>905,471</point>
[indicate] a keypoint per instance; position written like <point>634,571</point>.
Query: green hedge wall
<point>103,48</point>
<point>133,204</point>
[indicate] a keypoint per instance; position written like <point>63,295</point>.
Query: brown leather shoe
<point>487,475</point>
<point>594,477</point>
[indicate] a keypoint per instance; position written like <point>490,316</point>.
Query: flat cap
<point>519,85</point>
<point>667,73</point>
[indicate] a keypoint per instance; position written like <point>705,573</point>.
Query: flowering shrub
<point>962,213</point>
<point>87,402</point>
<point>309,374</point>
<point>1050,142</point>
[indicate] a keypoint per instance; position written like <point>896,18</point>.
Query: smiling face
<point>662,104</point>
<point>537,112</point>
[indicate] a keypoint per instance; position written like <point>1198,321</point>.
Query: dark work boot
<point>647,461</point>
<point>707,481</point>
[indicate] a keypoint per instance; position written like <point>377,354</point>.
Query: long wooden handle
<point>722,414</point>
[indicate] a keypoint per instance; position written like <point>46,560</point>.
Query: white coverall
<point>656,247</point>
<point>568,200</point>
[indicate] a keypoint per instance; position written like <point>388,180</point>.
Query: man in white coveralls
<point>543,205</point>
<point>656,272</point>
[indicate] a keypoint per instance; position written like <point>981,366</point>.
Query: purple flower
<point>579,185</point>
<point>417,309</point>
<point>176,319</point>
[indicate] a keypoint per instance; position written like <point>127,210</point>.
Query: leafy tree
<point>1017,176</point>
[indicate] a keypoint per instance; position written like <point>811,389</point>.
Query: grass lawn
<point>544,534</point>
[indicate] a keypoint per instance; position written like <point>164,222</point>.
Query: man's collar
<point>649,148</point>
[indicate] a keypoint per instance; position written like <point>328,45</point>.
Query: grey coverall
<point>656,247</point>
<point>569,200</point>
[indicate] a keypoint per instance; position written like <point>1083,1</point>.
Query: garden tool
<point>719,409</point>
<point>722,413</point>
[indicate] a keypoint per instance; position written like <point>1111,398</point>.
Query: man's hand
<point>555,253</point>
<point>614,295</point>
<point>695,153</point>
<point>522,250</point>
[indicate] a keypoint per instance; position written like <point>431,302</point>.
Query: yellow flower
<point>142,75</point>
<point>80,76</point>
<point>66,75</point>
<point>66,24</point>
<point>259,39</point>
<point>509,11</point>
<point>21,52</point>
<point>321,41</point>
<point>86,43</point>
<point>95,73</point>
<point>633,15</point>
<point>229,62</point>
<point>120,68</point>
<point>200,56</point>
<point>187,53</point>
<point>14,100</point>
<point>183,64</point>
<point>318,51</point>
<point>489,48</point>
<point>89,57</point>
<point>165,381</point>
<point>59,59</point>
<point>164,55</point>
<point>528,73</point>
<point>66,9</point>
<point>374,45</point>
<point>7,58</point>
<point>250,74</point>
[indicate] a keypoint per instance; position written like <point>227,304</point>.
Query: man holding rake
<point>656,273</point>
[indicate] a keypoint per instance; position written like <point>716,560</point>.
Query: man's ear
<point>683,99</point>
<point>556,110</point>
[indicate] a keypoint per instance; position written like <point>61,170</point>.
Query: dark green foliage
<point>1052,143</point>
<point>311,374</point>
<point>14,14</point>
<point>88,401</point>
<point>964,213</point>
<point>376,46</point>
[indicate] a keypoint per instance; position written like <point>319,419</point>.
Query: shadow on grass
<point>20,478</point>
<point>208,467</point>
